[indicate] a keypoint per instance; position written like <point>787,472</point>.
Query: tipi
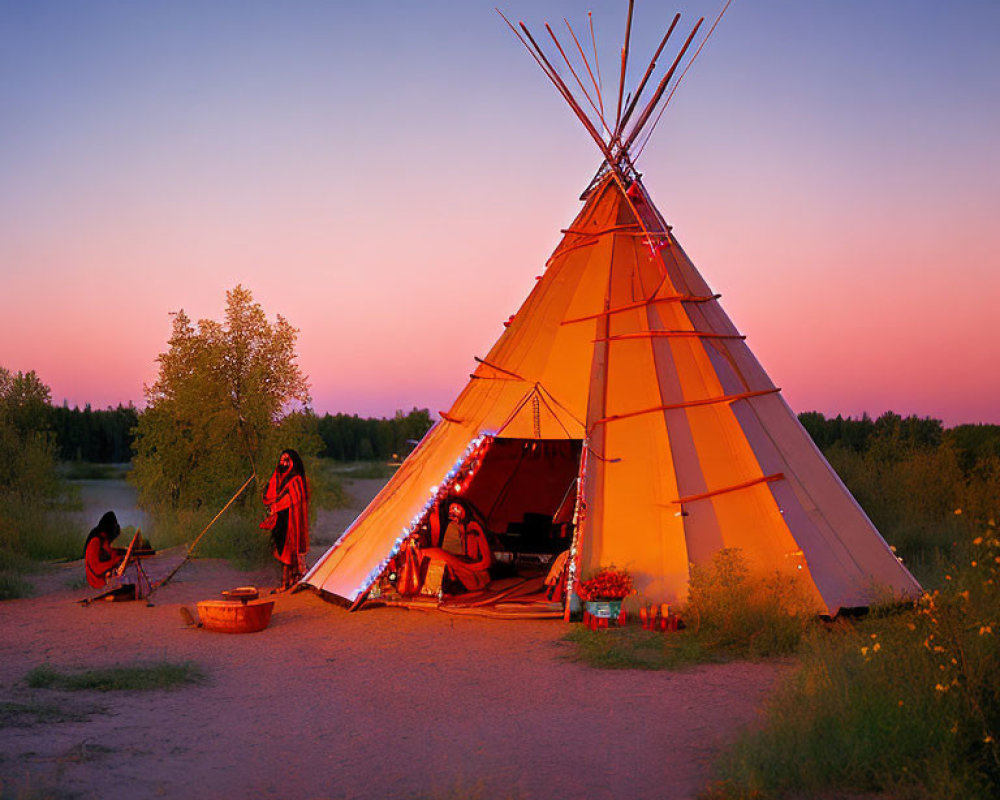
<point>621,417</point>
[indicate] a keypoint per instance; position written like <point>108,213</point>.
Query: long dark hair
<point>298,468</point>
<point>108,524</point>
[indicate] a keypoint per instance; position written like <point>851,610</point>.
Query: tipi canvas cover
<point>685,445</point>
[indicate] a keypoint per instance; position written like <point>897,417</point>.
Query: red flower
<point>609,583</point>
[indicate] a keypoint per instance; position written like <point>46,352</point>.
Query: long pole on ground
<point>194,544</point>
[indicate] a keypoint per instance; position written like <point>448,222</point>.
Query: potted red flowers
<point>604,591</point>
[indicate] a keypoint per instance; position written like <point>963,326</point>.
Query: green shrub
<point>13,586</point>
<point>731,613</point>
<point>745,614</point>
<point>38,533</point>
<point>905,702</point>
<point>326,485</point>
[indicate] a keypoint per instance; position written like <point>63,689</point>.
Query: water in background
<point>99,496</point>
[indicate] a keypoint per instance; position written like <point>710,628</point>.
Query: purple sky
<point>391,177</point>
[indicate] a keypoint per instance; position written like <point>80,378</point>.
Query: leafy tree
<point>27,452</point>
<point>225,402</point>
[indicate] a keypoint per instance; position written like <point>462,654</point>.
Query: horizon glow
<point>391,179</point>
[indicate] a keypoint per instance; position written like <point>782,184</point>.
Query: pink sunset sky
<point>391,176</point>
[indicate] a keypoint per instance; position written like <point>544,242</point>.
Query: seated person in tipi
<point>464,549</point>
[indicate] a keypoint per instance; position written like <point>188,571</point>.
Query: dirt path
<point>328,704</point>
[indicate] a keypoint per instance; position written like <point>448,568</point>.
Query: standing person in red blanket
<point>287,500</point>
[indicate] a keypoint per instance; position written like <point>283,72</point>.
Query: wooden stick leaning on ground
<point>194,544</point>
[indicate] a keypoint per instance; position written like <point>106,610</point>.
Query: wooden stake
<point>194,544</point>
<point>560,85</point>
<point>577,77</point>
<point>649,71</point>
<point>597,63</point>
<point>621,78</point>
<point>597,88</point>
<point>666,102</point>
<point>644,116</point>
<point>567,95</point>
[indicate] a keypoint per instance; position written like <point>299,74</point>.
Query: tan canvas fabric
<point>689,446</point>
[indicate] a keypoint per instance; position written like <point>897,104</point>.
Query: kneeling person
<point>100,559</point>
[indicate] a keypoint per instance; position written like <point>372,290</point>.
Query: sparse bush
<point>747,614</point>
<point>732,613</point>
<point>905,702</point>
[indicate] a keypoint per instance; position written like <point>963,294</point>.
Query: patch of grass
<point>235,537</point>
<point>632,647</point>
<point>240,541</point>
<point>900,702</point>
<point>13,566</point>
<point>13,586</point>
<point>16,715</point>
<point>737,613</point>
<point>731,614</point>
<point>164,675</point>
<point>327,486</point>
<point>37,533</point>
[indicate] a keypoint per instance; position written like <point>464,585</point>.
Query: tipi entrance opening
<point>525,493</point>
<point>519,504</point>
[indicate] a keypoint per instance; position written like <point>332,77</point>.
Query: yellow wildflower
<point>864,651</point>
<point>978,540</point>
<point>958,511</point>
<point>985,629</point>
<point>987,739</point>
<point>940,687</point>
<point>974,564</point>
<point>876,647</point>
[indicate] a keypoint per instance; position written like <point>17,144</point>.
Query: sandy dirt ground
<point>383,703</point>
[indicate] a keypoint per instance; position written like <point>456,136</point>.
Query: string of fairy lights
<point>455,481</point>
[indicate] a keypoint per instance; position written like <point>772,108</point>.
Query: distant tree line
<point>106,435</point>
<point>348,437</point>
<point>972,443</point>
<point>101,436</point>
